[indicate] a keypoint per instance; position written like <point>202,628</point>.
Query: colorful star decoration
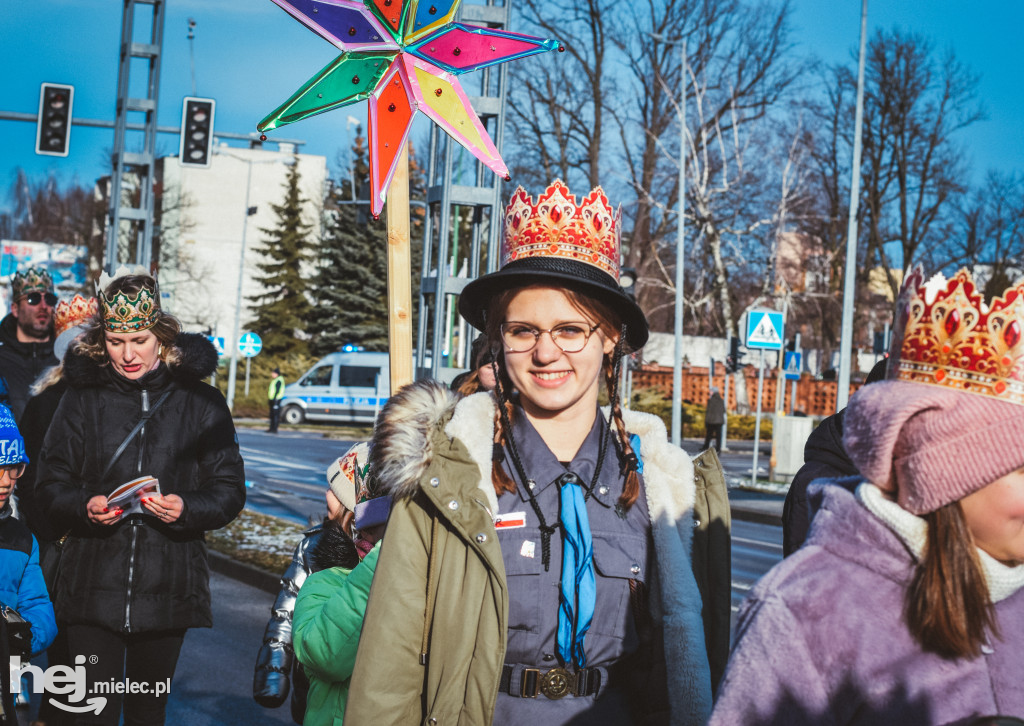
<point>403,56</point>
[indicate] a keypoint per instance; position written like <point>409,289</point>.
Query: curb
<point>754,515</point>
<point>247,574</point>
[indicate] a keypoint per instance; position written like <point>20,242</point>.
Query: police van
<point>344,387</point>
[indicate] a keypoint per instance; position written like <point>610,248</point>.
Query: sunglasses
<point>34,298</point>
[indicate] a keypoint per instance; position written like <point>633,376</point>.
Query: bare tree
<point>736,70</point>
<point>990,232</point>
<point>558,104</point>
<point>913,168</point>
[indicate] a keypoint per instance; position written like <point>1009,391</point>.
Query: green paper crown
<point>34,279</point>
<point>124,314</point>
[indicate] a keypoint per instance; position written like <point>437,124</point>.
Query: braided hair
<point>611,326</point>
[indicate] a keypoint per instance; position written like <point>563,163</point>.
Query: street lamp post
<point>677,361</point>
<point>236,327</point>
<point>846,336</point>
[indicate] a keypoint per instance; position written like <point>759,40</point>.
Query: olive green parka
<point>433,639</point>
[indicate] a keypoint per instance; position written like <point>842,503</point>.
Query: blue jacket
<point>21,580</point>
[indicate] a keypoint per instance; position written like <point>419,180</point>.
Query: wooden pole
<point>400,276</point>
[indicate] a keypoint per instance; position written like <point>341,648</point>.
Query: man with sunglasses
<point>26,335</point>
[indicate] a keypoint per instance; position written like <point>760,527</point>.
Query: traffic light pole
<point>138,164</point>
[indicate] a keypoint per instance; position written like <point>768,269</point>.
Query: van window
<point>357,376</point>
<point>319,376</point>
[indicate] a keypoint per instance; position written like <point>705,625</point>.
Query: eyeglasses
<point>570,337</point>
<point>34,298</point>
<point>12,471</point>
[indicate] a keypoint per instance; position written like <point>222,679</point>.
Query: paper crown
<point>34,279</point>
<point>73,312</point>
<point>125,314</point>
<point>949,337</point>
<point>555,226</point>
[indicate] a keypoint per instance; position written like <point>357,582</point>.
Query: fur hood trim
<point>197,359</point>
<point>401,450</point>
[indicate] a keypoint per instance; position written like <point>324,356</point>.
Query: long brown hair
<point>93,343</point>
<point>947,606</point>
<point>610,324</point>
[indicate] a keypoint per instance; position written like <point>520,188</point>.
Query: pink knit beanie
<point>930,444</point>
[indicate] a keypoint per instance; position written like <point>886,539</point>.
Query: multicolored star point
<point>403,56</point>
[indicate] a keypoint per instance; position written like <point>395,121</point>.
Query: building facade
<point>207,216</point>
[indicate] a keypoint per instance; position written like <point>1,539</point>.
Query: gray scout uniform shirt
<point>622,550</point>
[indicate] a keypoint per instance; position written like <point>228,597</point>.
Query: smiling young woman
<point>516,584</point>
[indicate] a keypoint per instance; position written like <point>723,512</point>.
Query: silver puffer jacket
<point>274,662</point>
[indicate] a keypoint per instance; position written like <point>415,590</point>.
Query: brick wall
<point>813,397</point>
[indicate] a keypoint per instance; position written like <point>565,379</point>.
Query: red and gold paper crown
<point>75,311</point>
<point>557,227</point>
<point>34,279</point>
<point>950,337</point>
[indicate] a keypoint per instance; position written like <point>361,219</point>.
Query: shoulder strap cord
<point>134,432</point>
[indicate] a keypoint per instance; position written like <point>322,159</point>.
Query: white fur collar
<point>1002,580</point>
<point>473,416</point>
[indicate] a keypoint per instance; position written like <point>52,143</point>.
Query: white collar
<point>1003,580</point>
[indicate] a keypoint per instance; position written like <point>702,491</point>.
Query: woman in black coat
<point>129,586</point>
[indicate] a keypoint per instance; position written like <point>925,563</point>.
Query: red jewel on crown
<point>952,338</point>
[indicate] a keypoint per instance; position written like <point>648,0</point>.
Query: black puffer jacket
<point>139,574</point>
<point>824,458</point>
<point>21,363</point>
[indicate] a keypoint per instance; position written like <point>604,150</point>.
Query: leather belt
<point>554,683</point>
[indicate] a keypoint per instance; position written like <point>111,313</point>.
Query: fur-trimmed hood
<point>197,359</point>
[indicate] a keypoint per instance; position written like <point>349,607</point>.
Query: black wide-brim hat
<point>559,273</point>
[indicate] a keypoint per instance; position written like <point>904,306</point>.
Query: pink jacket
<point>821,639</point>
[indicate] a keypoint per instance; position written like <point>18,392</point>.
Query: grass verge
<point>259,540</point>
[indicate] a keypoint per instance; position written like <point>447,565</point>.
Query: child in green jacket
<point>330,606</point>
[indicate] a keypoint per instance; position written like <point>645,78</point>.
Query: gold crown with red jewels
<point>950,337</point>
<point>75,311</point>
<point>555,226</point>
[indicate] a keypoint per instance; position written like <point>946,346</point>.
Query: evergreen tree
<point>351,279</point>
<point>280,313</point>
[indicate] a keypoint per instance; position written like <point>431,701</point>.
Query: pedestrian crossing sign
<point>764,330</point>
<point>791,363</point>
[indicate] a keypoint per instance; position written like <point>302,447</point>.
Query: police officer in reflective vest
<point>274,395</point>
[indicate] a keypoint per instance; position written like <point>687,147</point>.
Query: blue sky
<point>250,56</point>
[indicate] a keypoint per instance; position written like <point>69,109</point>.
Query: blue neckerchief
<point>579,585</point>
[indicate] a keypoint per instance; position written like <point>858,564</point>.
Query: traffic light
<point>53,126</point>
<point>732,361</point>
<point>196,132</point>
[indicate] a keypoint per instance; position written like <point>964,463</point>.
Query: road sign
<point>764,330</point>
<point>791,363</point>
<point>218,343</point>
<point>250,345</point>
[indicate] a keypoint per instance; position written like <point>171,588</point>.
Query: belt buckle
<point>557,683</point>
<point>528,682</point>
